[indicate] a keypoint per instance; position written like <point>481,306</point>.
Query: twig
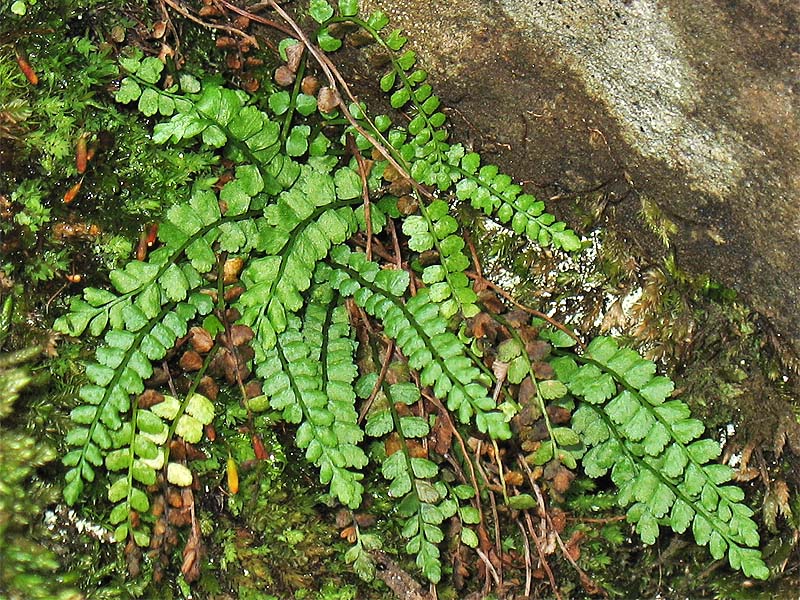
<point>378,382</point>
<point>498,548</point>
<point>527,309</point>
<point>598,521</point>
<point>474,253</point>
<point>257,18</point>
<point>586,581</point>
<point>398,261</point>
<point>490,566</point>
<point>178,7</point>
<point>527,545</point>
<point>362,171</point>
<point>542,558</point>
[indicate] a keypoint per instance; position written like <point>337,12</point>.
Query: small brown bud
<point>241,335</point>
<point>309,85</point>
<point>200,339</point>
<point>328,99</point>
<point>191,361</point>
<point>293,55</point>
<point>284,76</point>
<point>241,22</point>
<point>226,42</point>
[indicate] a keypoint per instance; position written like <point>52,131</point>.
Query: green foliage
<point>655,454</point>
<point>294,215</point>
<point>29,568</point>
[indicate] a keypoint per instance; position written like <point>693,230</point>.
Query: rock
<point>688,106</point>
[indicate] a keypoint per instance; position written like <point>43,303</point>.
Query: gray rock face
<point>693,106</point>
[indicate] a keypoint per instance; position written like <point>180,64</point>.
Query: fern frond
<point>449,287</point>
<point>656,455</point>
<point>293,384</point>
<point>414,479</point>
<point>421,333</point>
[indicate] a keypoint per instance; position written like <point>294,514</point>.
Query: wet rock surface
<point>693,107</point>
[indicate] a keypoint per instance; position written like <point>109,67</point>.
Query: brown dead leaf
<point>310,85</point>
<point>558,414</point>
<point>407,205</point>
<point>191,361</point>
<point>191,557</point>
<point>562,479</point>
<point>284,76</point>
<point>200,340</point>
<point>149,398</point>
<point>342,518</point>
<point>233,292</point>
<point>514,478</point>
<point>776,501</point>
<point>327,100</point>
<point>518,319</point>
<point>573,545</point>
<point>416,449</point>
<point>543,370</point>
<point>241,22</point>
<point>365,520</point>
<point>441,437</point>
<point>558,518</point>
<point>158,505</point>
<point>231,270</point>
<point>537,349</point>
<point>174,497</point>
<point>180,517</point>
<point>401,187</point>
<point>252,389</point>
<point>208,387</point>
<point>133,558</point>
<point>526,393</point>
<point>614,317</point>
<point>392,444</point>
<point>241,335</point>
<point>209,11</point>
<point>491,301</point>
<point>294,54</point>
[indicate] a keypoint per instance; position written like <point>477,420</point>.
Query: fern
<point>656,455</point>
<point>290,214</point>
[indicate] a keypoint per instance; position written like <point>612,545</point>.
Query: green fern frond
<point>656,455</point>
<point>422,334</point>
<point>293,384</point>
